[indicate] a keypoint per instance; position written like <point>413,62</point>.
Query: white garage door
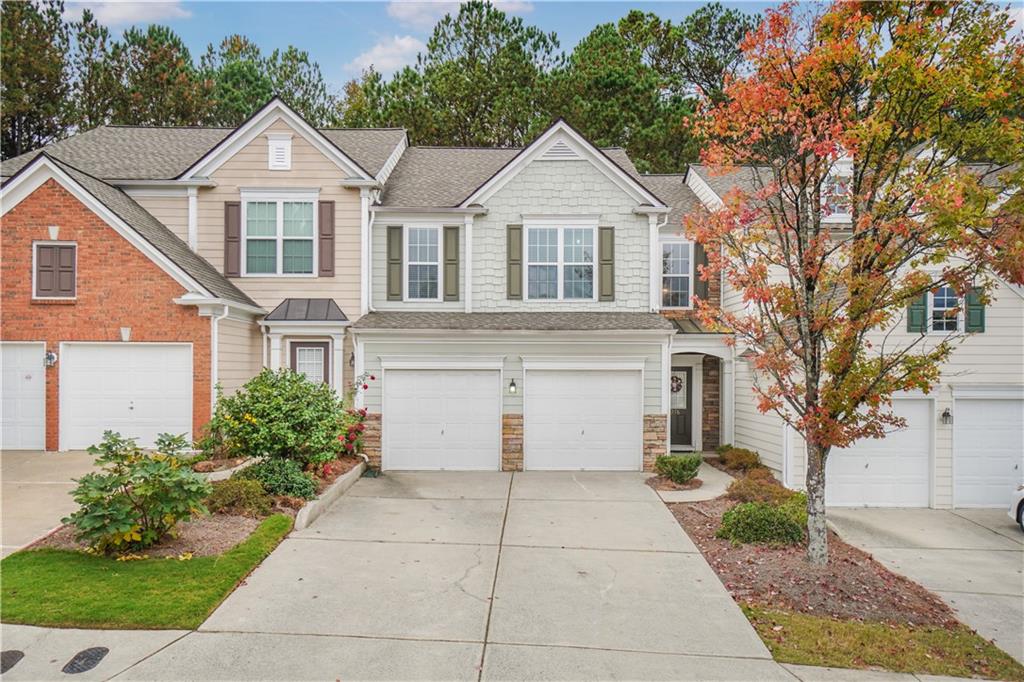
<point>583,419</point>
<point>888,472</point>
<point>24,396</point>
<point>442,419</point>
<point>136,389</point>
<point>988,451</point>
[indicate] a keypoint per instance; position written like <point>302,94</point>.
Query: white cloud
<point>423,15</point>
<point>388,55</point>
<point>117,13</point>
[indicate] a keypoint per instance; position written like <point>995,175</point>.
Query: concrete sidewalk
<point>972,558</point>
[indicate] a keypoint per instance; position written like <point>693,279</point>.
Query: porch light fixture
<point>352,359</point>
<point>947,417</point>
<point>512,386</point>
<point>50,359</point>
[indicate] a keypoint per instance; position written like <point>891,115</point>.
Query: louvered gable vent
<point>279,151</point>
<point>559,151</point>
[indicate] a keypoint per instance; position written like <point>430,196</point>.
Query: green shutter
<point>700,257</point>
<point>975,314</point>
<point>394,262</point>
<point>451,262</point>
<point>606,264</point>
<point>514,267</point>
<point>917,315</point>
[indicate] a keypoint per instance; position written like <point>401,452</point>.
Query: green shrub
<point>723,448</point>
<point>760,522</point>
<point>280,477</point>
<point>759,485</point>
<point>741,459</point>
<point>677,468</point>
<point>278,415</point>
<point>241,497</point>
<point>136,498</point>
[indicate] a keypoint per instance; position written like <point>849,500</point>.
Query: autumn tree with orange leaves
<point>878,149</point>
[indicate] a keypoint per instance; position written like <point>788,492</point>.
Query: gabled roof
<point>723,180</point>
<point>196,268</point>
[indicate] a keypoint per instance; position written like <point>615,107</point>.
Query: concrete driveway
<point>35,493</point>
<point>972,558</point>
<point>469,576</point>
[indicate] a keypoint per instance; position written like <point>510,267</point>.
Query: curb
<point>312,511</point>
<point>225,474</point>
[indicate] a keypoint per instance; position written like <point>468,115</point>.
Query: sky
<point>346,37</point>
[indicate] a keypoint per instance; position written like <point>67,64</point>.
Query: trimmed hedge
<point>764,523</point>
<point>759,485</point>
<point>741,459</point>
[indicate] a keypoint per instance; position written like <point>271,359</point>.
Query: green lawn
<point>815,640</point>
<point>72,589</point>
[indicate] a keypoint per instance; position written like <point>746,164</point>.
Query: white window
<point>836,202</point>
<point>676,274</point>
<point>279,151</point>
<point>945,310</point>
<point>560,262</point>
<point>279,235</point>
<point>422,254</point>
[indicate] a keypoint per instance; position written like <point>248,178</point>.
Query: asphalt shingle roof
<point>673,190</point>
<point>553,321</point>
<point>722,180</point>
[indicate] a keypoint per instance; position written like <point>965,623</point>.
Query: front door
<point>681,385</point>
<point>310,358</point>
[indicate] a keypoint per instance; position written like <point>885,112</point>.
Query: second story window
<point>945,310</point>
<point>676,274</point>
<point>280,236</point>
<point>422,254</point>
<point>560,263</point>
<point>54,274</point>
<point>836,203</point>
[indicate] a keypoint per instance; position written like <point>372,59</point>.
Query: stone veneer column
<point>655,438</point>
<point>371,439</point>
<point>711,402</point>
<point>511,442</point>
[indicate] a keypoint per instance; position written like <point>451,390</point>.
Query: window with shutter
<point>54,273</point>
<point>917,315</point>
<point>975,315</point>
<point>676,273</point>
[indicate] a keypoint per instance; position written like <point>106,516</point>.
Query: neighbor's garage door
<point>888,472</point>
<point>988,451</point>
<point>442,419</point>
<point>136,389</point>
<point>583,419</point>
<point>24,393</point>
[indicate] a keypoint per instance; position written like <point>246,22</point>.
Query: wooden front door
<point>681,395</point>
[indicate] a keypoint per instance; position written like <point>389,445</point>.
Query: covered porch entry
<point>699,389</point>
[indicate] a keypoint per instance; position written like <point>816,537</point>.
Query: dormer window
<point>279,146</point>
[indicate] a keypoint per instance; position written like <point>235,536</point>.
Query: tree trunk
<point>817,532</point>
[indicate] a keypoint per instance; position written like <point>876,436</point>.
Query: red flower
<point>373,378</point>
<point>365,386</point>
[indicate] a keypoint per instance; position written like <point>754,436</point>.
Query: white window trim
<point>560,224</point>
<point>961,304</point>
<point>407,262</point>
<point>279,140</point>
<point>280,197</point>
<point>845,172</point>
<point>35,252</point>
<point>661,274</point>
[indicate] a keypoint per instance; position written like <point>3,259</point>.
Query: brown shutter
<point>394,262</point>
<point>46,270</point>
<point>233,238</point>
<point>66,270</point>
<point>325,219</point>
<point>700,287</point>
<point>451,262</point>
<point>514,267</point>
<point>606,264</point>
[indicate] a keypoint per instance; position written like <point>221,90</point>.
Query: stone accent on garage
<point>371,439</point>
<point>511,442</point>
<point>711,402</point>
<point>655,438</point>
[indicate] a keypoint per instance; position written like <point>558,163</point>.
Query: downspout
<point>366,223</point>
<point>214,342</point>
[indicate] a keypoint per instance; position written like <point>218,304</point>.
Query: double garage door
<point>136,389</point>
<point>451,419</point>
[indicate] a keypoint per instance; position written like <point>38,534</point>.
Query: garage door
<point>888,472</point>
<point>583,419</point>
<point>136,389</point>
<point>24,393</point>
<point>988,451</point>
<point>442,419</point>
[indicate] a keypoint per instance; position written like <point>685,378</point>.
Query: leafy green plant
<point>280,477</point>
<point>240,497</point>
<point>723,448</point>
<point>136,498</point>
<point>759,485</point>
<point>741,459</point>
<point>171,444</point>
<point>677,468</point>
<point>761,522</point>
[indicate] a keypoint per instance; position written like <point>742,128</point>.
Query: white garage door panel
<point>23,397</point>
<point>583,419</point>
<point>442,419</point>
<point>888,472</point>
<point>136,389</point>
<point>988,451</point>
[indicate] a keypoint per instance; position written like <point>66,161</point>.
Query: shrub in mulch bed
<point>851,586</point>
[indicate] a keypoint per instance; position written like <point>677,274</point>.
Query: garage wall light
<point>947,417</point>
<point>50,359</point>
<point>512,386</point>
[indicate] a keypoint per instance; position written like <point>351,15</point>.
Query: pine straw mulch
<point>206,466</point>
<point>852,586</point>
<point>334,470</point>
<point>666,484</point>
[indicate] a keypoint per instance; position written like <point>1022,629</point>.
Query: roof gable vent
<point>559,151</point>
<point>279,148</point>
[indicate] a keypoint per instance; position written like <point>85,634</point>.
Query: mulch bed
<point>717,464</point>
<point>851,586</point>
<point>666,484</point>
<point>204,536</point>
<point>334,470</point>
<point>209,465</point>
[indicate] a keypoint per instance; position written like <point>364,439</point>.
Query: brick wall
<point>655,438</point>
<point>117,286</point>
<point>371,439</point>
<point>511,442</point>
<point>711,401</point>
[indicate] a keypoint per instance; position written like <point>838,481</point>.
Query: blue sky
<point>346,36</point>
